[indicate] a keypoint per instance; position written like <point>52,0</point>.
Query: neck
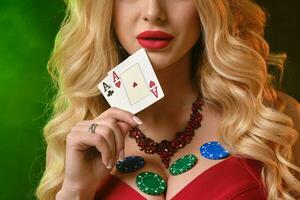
<point>171,113</point>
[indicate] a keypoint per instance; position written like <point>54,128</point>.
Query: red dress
<point>231,179</point>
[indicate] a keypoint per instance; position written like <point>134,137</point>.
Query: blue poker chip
<point>213,151</point>
<point>130,164</point>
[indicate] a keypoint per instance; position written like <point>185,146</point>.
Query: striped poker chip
<point>183,164</point>
<point>130,164</point>
<point>213,151</point>
<point>151,183</point>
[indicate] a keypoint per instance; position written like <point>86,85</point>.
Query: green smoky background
<point>27,33</point>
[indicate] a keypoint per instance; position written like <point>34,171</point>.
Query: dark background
<point>27,34</point>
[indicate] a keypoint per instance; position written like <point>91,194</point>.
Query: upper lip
<point>154,34</point>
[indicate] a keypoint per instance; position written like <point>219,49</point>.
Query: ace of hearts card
<point>132,85</point>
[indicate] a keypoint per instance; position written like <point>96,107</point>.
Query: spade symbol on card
<point>105,88</point>
<point>110,93</point>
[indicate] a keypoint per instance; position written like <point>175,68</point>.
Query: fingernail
<point>110,163</point>
<point>122,155</point>
<point>137,120</point>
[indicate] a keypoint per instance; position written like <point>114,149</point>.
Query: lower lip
<point>154,44</point>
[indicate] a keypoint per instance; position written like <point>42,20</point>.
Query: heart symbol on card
<point>118,84</point>
<point>151,84</point>
<point>134,84</point>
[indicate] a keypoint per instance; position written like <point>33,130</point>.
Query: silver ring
<point>92,127</point>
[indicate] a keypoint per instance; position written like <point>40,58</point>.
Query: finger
<point>81,141</point>
<point>120,115</point>
<point>105,129</point>
<point>118,136</point>
<point>102,128</point>
<point>113,125</point>
<point>124,127</point>
<point>105,150</point>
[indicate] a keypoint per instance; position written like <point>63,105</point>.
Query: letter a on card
<point>154,91</point>
<point>116,79</point>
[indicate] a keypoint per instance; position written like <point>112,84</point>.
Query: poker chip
<point>213,151</point>
<point>151,183</point>
<point>183,164</point>
<point>130,164</point>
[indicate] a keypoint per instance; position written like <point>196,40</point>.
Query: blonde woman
<point>221,131</point>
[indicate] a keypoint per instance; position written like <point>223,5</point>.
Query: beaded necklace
<point>166,149</point>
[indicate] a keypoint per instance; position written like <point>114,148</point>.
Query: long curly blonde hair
<point>232,76</point>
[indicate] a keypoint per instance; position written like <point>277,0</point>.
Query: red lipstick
<point>154,39</point>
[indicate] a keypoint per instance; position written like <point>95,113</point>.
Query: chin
<point>159,64</point>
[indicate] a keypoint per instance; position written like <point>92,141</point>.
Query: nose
<point>154,11</point>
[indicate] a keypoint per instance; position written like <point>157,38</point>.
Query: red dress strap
<point>232,179</point>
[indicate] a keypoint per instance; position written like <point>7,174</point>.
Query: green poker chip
<point>151,183</point>
<point>183,164</point>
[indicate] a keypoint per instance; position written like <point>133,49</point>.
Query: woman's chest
<point>153,164</point>
<point>191,168</point>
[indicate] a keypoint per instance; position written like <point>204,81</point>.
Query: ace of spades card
<point>134,83</point>
<point>107,91</point>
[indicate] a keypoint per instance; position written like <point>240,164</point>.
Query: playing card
<point>135,83</point>
<point>107,90</point>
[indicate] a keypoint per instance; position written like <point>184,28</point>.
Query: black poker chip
<point>130,164</point>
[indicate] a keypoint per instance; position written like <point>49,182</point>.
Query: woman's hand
<point>90,157</point>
